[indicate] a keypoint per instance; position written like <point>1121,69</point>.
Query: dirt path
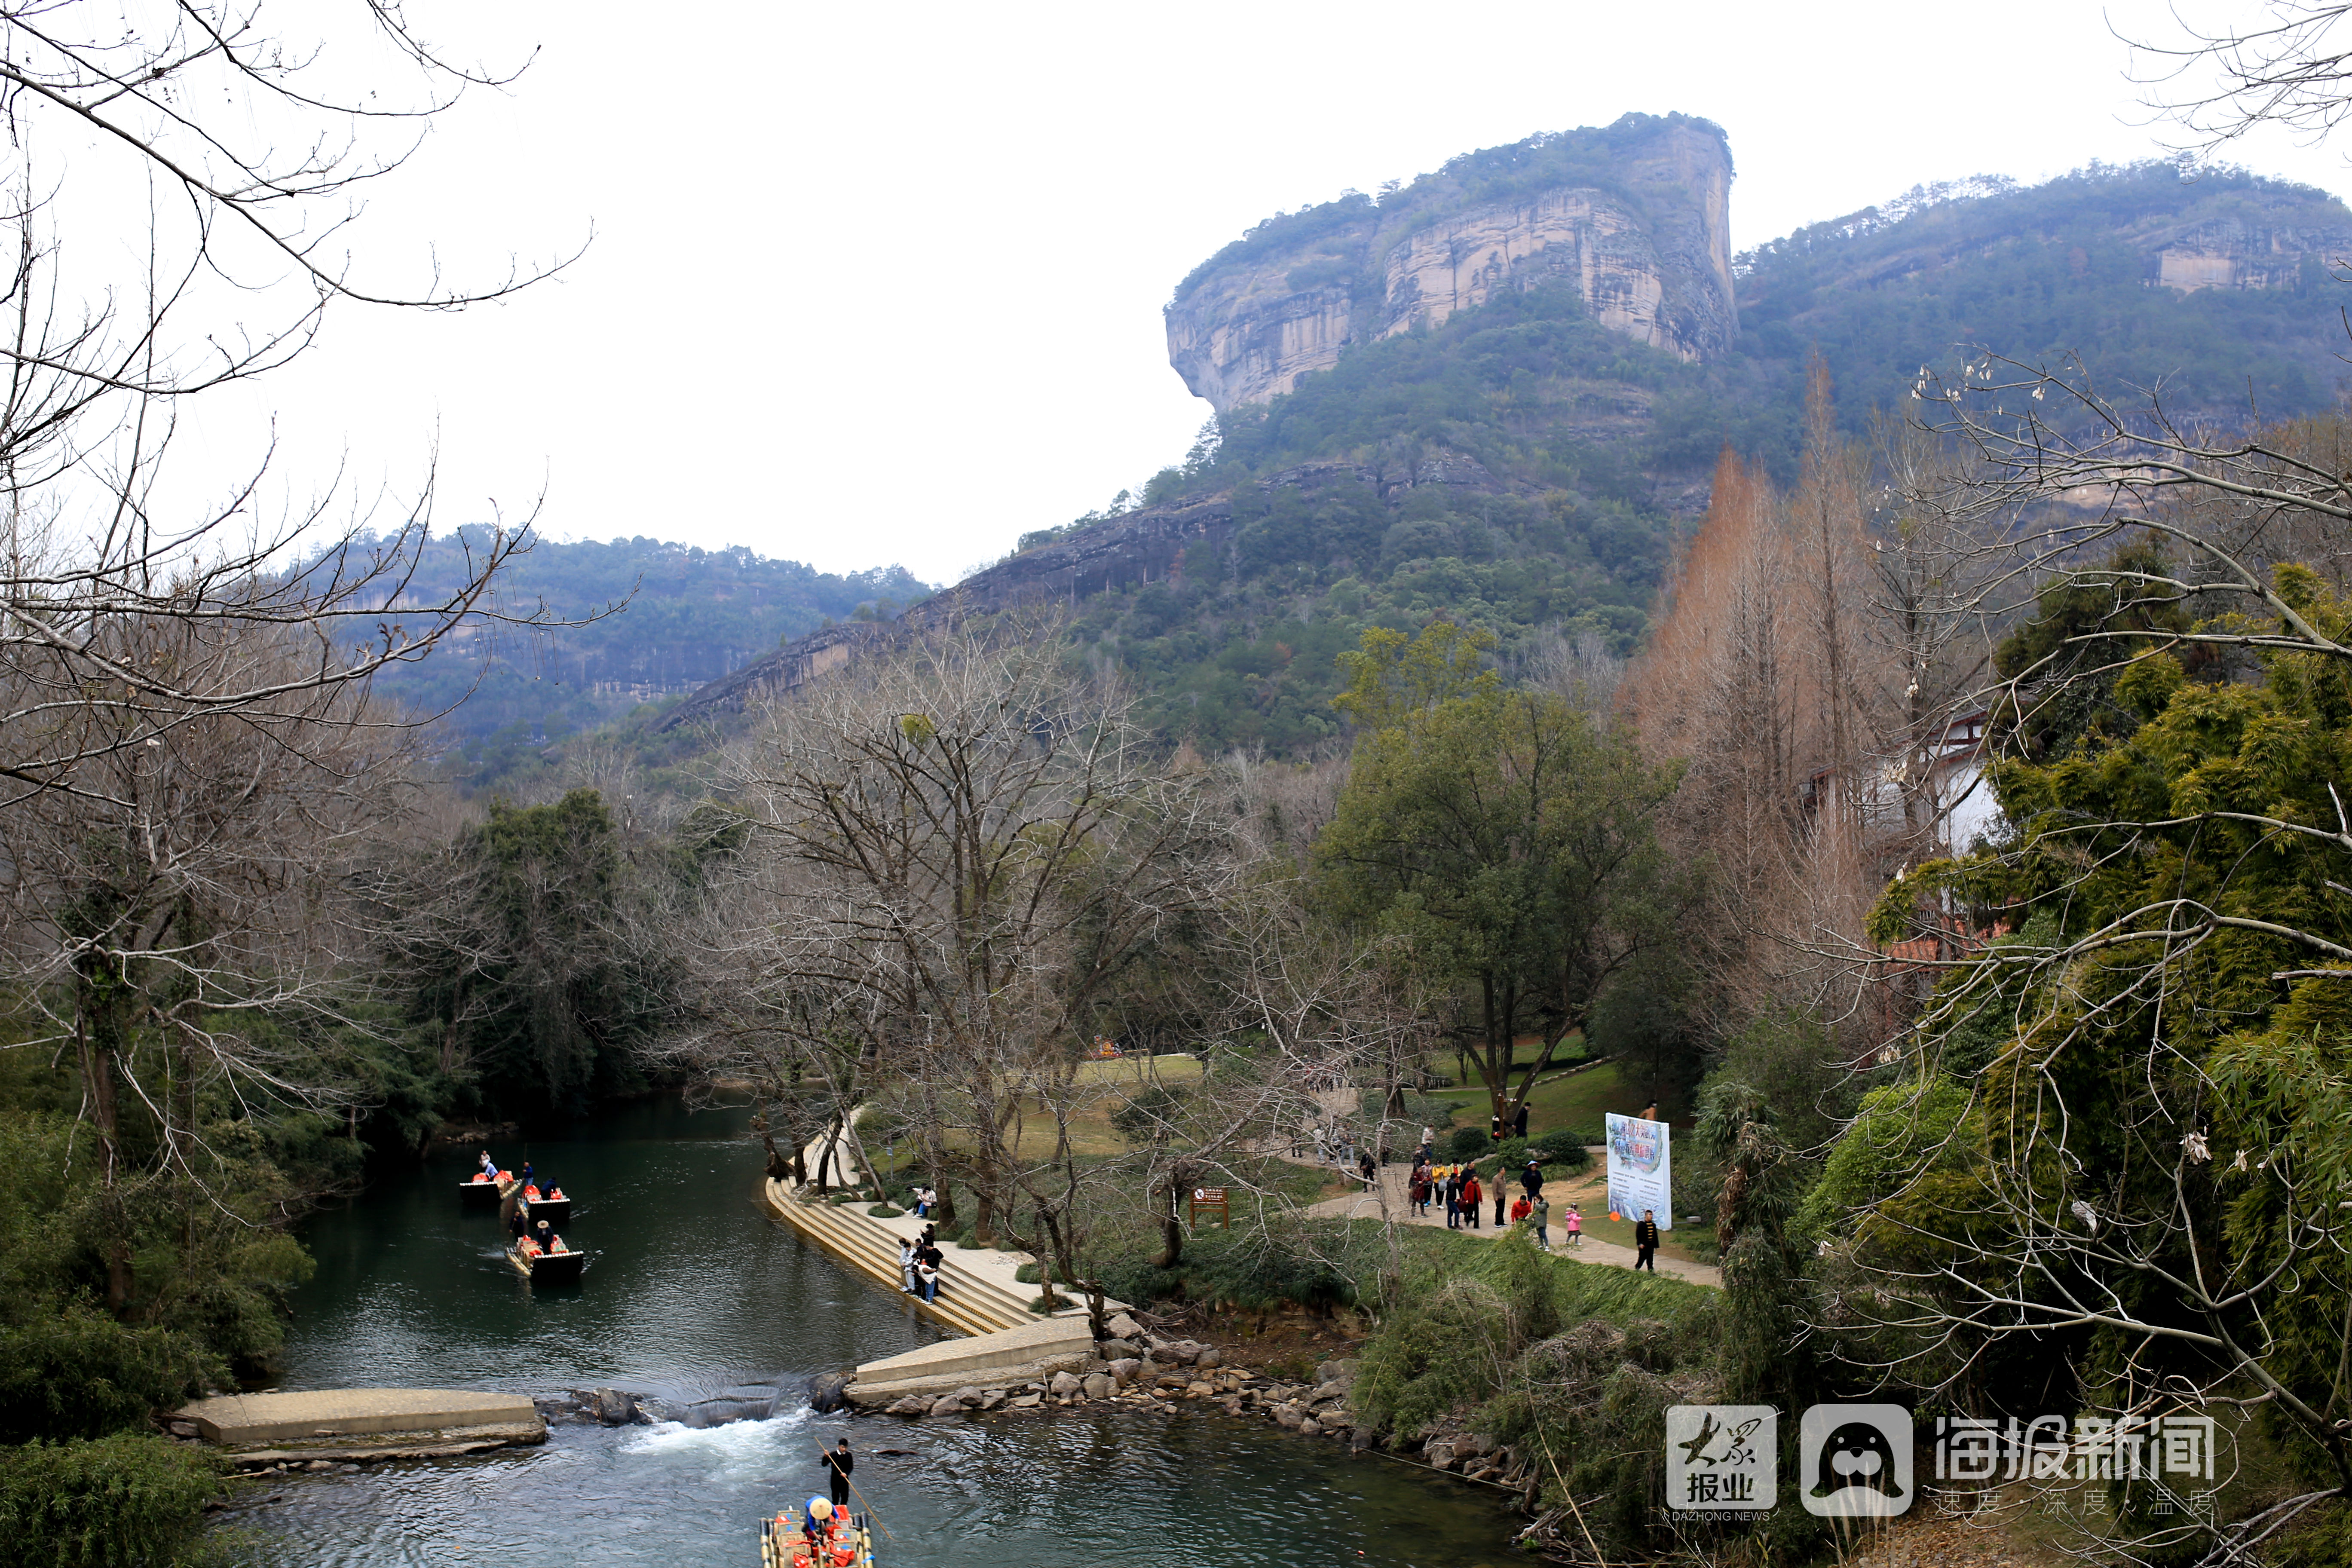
<point>1389,1202</point>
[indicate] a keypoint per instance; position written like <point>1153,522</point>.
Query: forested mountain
<point>1529,464</point>
<point>656,620</point>
<point>1525,452</point>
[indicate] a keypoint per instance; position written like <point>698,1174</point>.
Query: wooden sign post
<point>1212,1199</point>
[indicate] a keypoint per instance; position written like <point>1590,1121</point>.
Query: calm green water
<point>691,1291</point>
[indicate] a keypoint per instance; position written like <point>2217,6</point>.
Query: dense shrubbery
<point>1571,1364</point>
<point>1252,1269</point>
<point>112,1502</point>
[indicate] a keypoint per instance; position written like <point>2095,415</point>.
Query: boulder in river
<point>1063,1385</point>
<point>1099,1386</point>
<point>947,1404</point>
<point>911,1405</point>
<point>616,1408</point>
<point>826,1391</point>
<point>1125,1371</point>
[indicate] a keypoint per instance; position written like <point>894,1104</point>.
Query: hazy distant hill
<point>690,616</point>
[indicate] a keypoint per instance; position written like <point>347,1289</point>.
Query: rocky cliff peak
<point>1634,215</point>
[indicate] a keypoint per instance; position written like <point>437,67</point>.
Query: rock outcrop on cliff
<point>1634,218</point>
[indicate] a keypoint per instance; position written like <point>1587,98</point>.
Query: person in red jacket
<point>1473,1197</point>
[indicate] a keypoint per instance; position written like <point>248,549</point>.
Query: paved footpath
<point>1389,1202</point>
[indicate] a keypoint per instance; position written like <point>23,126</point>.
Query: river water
<point>691,1292</point>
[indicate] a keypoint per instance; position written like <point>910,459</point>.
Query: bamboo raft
<point>547,1267</point>
<point>483,1194</point>
<point>556,1211</point>
<point>783,1544</point>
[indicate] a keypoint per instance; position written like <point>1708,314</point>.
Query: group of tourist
<point>920,1262</point>
<point>1458,1189</point>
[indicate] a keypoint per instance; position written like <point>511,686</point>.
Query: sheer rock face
<point>2247,252</point>
<point>1650,255</point>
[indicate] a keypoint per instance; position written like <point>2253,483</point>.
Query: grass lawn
<point>1578,1101</point>
<point>1142,1069</point>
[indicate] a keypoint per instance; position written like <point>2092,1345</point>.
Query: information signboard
<point>1641,1169</point>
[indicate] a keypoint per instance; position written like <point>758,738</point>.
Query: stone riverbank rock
<point>1099,1386</point>
<point>1063,1384</point>
<point>1125,1371</point>
<point>825,1392</point>
<point>967,1397</point>
<point>1311,1427</point>
<point>1126,1328</point>
<point>1439,1456</point>
<point>1210,1357</point>
<point>616,1408</point>
<point>912,1405</point>
<point>946,1404</point>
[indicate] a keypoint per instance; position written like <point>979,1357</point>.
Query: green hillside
<point>1519,467</point>
<point>1595,452</point>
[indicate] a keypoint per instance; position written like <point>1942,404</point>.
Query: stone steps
<point>966,1302</point>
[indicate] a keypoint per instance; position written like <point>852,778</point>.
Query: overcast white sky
<point>877,284</point>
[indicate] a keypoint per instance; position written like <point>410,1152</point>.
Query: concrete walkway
<point>1389,1202</point>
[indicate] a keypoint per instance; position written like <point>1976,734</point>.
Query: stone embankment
<point>1146,1373</point>
<point>330,1429</point>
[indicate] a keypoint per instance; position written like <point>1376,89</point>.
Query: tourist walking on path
<point>1367,1169</point>
<point>1448,1191</point>
<point>1473,1196</point>
<point>1576,1228</point>
<point>1541,1212</point>
<point>1502,1190</point>
<point>1532,1177</point>
<point>1645,1237</point>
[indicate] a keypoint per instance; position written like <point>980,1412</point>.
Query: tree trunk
<point>1172,1224</point>
<point>98,1035</point>
<point>825,1158</point>
<point>1048,1255</point>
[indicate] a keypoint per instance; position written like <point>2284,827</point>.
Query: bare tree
<point>173,911</point>
<point>960,851</point>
